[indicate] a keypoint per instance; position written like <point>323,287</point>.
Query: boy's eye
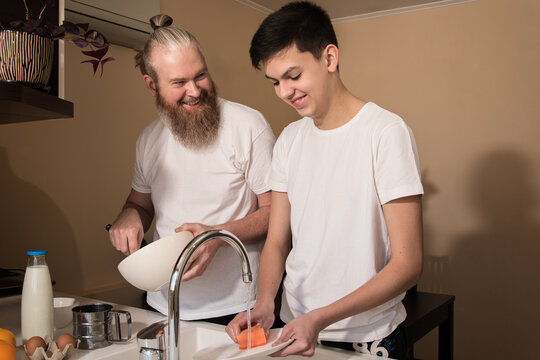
<point>296,77</point>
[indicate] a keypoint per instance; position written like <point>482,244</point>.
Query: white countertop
<point>10,315</point>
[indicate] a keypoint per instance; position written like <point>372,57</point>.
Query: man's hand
<point>200,260</point>
<point>195,228</point>
<point>126,233</point>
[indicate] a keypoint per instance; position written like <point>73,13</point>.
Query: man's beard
<point>197,128</point>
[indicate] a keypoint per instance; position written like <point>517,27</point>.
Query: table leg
<point>446,335</point>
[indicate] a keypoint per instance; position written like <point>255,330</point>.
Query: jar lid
<point>36,252</point>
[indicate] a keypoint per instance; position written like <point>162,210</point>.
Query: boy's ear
<point>331,56</point>
<point>150,84</point>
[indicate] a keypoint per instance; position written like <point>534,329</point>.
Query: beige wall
<point>64,179</point>
<point>465,79</point>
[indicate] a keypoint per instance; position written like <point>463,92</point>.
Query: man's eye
<point>275,83</point>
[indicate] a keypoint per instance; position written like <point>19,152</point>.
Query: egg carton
<point>52,352</point>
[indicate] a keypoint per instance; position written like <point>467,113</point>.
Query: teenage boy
<point>346,218</point>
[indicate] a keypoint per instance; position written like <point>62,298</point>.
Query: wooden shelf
<point>19,103</point>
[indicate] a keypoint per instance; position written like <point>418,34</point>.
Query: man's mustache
<point>202,98</point>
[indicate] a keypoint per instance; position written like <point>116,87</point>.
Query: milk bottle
<point>37,297</point>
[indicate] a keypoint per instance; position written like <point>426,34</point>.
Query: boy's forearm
<point>275,251</point>
<point>393,280</point>
<point>271,269</point>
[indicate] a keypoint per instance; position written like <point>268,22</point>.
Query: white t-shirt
<point>336,181</point>
<point>212,186</point>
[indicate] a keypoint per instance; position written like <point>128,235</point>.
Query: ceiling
<point>346,10</point>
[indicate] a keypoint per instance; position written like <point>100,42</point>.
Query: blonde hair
<point>170,37</point>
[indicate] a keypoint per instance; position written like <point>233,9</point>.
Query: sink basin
<point>192,339</point>
<point>198,335</point>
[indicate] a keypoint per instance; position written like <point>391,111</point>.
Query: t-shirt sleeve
<point>397,169</point>
<point>260,159</point>
<point>138,182</point>
<point>278,175</point>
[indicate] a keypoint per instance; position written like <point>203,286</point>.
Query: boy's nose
<point>285,92</point>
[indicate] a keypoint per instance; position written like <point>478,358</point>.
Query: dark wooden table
<point>425,312</point>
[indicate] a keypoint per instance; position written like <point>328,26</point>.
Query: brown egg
<point>33,343</point>
<point>64,340</point>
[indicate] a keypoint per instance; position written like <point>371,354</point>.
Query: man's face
<point>186,98</point>
<point>181,76</point>
<point>299,79</point>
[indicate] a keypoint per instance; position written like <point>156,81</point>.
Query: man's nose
<point>192,89</point>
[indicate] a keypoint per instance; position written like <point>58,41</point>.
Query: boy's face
<point>299,79</point>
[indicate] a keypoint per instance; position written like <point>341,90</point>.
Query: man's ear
<point>331,56</point>
<point>150,84</point>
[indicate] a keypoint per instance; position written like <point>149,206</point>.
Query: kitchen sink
<point>194,335</point>
<point>198,336</point>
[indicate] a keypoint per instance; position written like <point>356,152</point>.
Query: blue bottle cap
<point>36,252</point>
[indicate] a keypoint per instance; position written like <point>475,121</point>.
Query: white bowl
<point>62,311</point>
<point>150,268</point>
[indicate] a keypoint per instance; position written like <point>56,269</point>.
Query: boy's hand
<point>304,331</point>
<point>265,317</point>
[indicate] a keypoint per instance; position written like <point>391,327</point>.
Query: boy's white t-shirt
<point>212,187</point>
<point>337,181</point>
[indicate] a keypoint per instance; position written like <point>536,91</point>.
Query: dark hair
<point>301,23</point>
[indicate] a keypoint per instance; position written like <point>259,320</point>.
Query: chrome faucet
<point>178,272</point>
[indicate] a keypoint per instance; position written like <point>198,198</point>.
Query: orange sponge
<point>258,337</point>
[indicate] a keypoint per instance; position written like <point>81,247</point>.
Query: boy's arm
<point>271,266</point>
<point>404,223</point>
<point>276,249</point>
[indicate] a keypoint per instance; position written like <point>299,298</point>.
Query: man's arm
<point>271,266</point>
<point>251,229</point>
<point>127,231</point>
<point>404,223</point>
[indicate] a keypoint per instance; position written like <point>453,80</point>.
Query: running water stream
<point>248,313</point>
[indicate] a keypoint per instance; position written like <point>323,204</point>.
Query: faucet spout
<point>178,272</point>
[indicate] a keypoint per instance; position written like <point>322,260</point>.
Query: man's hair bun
<point>160,20</point>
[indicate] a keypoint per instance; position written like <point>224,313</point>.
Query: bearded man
<point>202,164</point>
